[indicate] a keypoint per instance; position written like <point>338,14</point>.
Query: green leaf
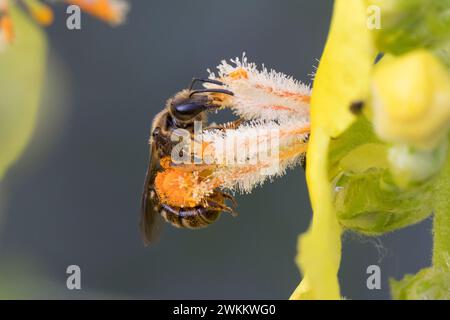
<point>22,67</point>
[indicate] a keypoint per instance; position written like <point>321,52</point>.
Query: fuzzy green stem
<point>441,228</point>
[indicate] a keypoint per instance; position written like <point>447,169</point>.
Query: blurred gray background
<point>73,198</point>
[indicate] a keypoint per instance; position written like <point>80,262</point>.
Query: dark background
<point>74,196</point>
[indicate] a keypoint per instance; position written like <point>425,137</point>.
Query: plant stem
<point>441,228</point>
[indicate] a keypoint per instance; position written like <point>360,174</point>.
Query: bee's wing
<point>151,220</point>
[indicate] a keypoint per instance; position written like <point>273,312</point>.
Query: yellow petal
<point>342,78</point>
<point>345,67</point>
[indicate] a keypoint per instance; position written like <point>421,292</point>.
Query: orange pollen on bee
<point>175,188</point>
<point>181,188</point>
<point>165,162</point>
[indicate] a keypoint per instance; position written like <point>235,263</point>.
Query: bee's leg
<point>153,194</point>
<point>229,197</point>
<point>220,196</point>
<point>162,142</point>
<point>200,91</point>
<point>194,80</point>
<point>213,205</point>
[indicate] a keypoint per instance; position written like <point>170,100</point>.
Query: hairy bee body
<point>158,200</point>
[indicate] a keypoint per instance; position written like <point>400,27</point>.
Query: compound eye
<point>189,110</point>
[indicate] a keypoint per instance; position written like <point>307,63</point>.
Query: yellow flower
<point>407,98</point>
<point>342,78</point>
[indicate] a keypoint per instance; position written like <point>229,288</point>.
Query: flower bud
<point>411,100</point>
<point>371,203</point>
<point>409,165</point>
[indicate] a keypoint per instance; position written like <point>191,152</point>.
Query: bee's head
<point>185,107</point>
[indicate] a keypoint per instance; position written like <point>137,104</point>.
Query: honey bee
<point>166,191</point>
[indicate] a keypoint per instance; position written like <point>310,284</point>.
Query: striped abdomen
<point>193,218</point>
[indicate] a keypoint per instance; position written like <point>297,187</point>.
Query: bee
<point>164,197</point>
